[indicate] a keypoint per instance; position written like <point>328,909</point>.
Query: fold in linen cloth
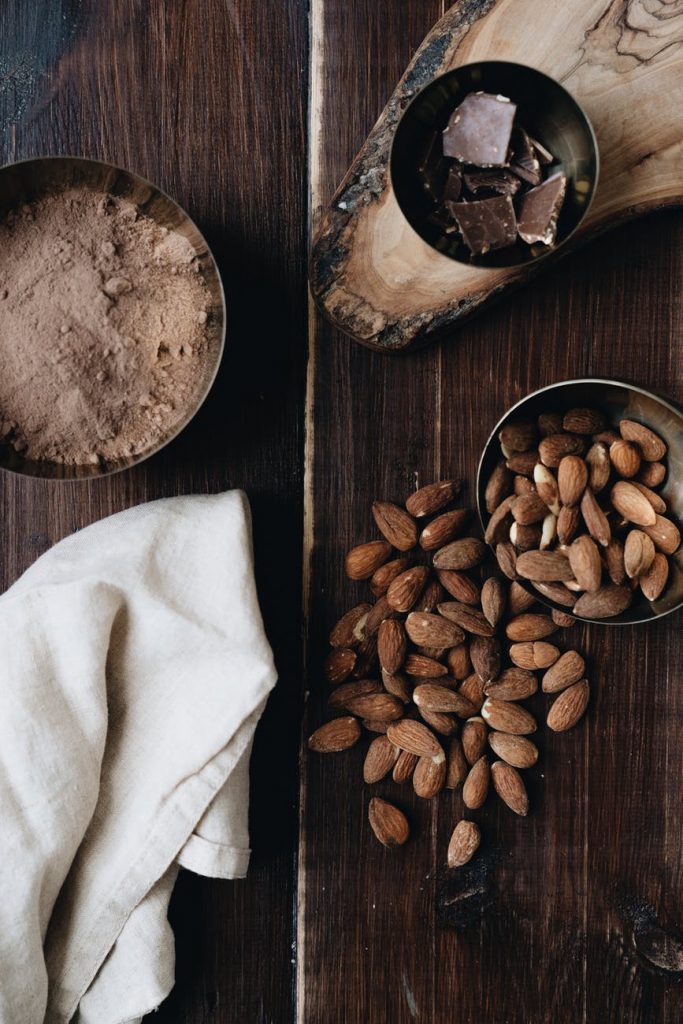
<point>133,670</point>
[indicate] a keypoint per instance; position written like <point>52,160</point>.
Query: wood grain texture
<point>621,59</point>
<point>179,92</point>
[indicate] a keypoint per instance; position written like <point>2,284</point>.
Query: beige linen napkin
<point>133,670</point>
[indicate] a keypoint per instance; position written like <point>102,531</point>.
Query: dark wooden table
<point>241,110</point>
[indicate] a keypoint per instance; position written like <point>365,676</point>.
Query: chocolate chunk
<point>494,180</point>
<point>539,209</point>
<point>523,161</point>
<point>544,155</point>
<point>486,223</point>
<point>433,168</point>
<point>479,130</point>
<point>453,187</point>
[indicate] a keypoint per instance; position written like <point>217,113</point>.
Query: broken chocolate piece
<point>494,180</point>
<point>433,169</point>
<point>523,161</point>
<point>453,185</point>
<point>539,209</point>
<point>544,155</point>
<point>479,130</point>
<point>486,224</point>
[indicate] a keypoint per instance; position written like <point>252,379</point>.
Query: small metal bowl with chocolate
<point>494,164</point>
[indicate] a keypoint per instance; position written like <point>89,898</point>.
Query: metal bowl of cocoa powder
<point>112,318</point>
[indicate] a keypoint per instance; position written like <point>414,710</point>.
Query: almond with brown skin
<point>498,487</point>
<point>545,566</point>
<point>528,509</point>
<point>348,632</point>
<point>625,458</point>
<point>547,488</point>
<point>472,689</point>
<point>342,696</point>
<point>512,684</point>
<point>656,500</point>
<point>506,557</point>
<point>533,655</point>
<point>429,776</point>
<point>467,617</point>
<point>414,737</point>
<point>556,592</point>
<point>457,766</point>
<point>610,600</point>
<point>568,523</point>
<point>431,499</point>
<point>388,823</point>
<point>606,437</point>
<point>525,538</point>
<point>372,725</point>
<point>380,611</point>
<point>650,445</point>
<point>523,462</point>
<point>432,594</point>
<point>339,665</point>
<point>439,721</point>
<point>362,561</point>
<point>404,767</point>
<point>518,751</point>
<point>652,474</point>
<point>614,561</point>
<point>339,734</point>
<point>435,653</point>
<point>460,554</point>
<point>397,685</point>
<point>498,526</point>
<point>523,485</point>
<point>529,626</point>
<point>652,582</point>
<point>394,523</point>
<point>379,707</point>
<point>386,574</point>
<point>549,423</point>
<point>444,528</point>
<point>405,590</point>
<point>459,662</point>
<point>665,534</point>
<point>562,619</point>
<point>464,843</point>
<point>632,504</point>
<point>366,659</point>
<point>583,421</point>
<point>585,562</point>
<point>459,586</point>
<point>599,467</point>
<point>508,784</point>
<point>423,667</point>
<point>433,630</point>
<point>506,716</point>
<point>519,436</point>
<point>639,553</point>
<point>566,671</point>
<point>553,449</point>
<point>519,599</point>
<point>569,707</point>
<point>476,786</point>
<point>391,645</point>
<point>493,600</point>
<point>594,518</point>
<point>379,760</point>
<point>473,738</point>
<point>572,477</point>
<point>486,655</point>
<point>439,698</point>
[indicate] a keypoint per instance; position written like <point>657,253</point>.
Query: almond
<point>459,663</point>
<point>464,843</point>
<point>553,449</point>
<point>476,785</point>
<point>523,462</point>
<point>652,474</point>
<point>379,760</point>
<point>439,721</point>
<point>625,458</point>
<point>506,716</point>
<point>523,485</point>
<point>639,553</point>
<point>533,655</point>
<point>666,536</point>
<point>498,525</point>
<point>656,500</point>
<point>460,554</point>
<point>339,664</point>
<point>459,586</point>
<point>349,630</point>
<point>507,559</point>
<point>433,630</point>
<point>572,477</point>
<point>386,574</point>
<point>549,423</point>
<point>404,767</point>
<point>433,697</point>
<point>548,531</point>
<point>366,658</point>
<point>457,766</point>
<point>391,645</point>
<point>594,518</point>
<point>424,667</point>
<point>529,626</point>
<point>547,487</point>
<point>632,504</point>
<point>584,559</point>
<point>493,600</point>
<point>405,590</point>
<point>544,566</point>
<point>519,436</point>
<point>519,599</point>
<point>650,445</point>
<point>557,592</point>
<point>583,421</point>
<point>362,561</point>
<point>339,734</point>
<point>512,684</point>
<point>614,560</point>
<point>652,582</point>
<point>562,619</point>
<point>388,823</point>
<point>380,611</point>
<point>468,618</point>
<point>473,738</point>
<point>372,725</point>
<point>394,523</point>
<point>606,437</point>
<point>498,487</point>
<point>508,784</point>
<point>414,737</point>
<point>603,604</point>
<point>397,685</point>
<point>528,509</point>
<point>429,776</point>
<point>472,689</point>
<point>566,671</point>
<point>567,523</point>
<point>444,528</point>
<point>379,707</point>
<point>430,597</point>
<point>485,655</point>
<point>599,467</point>
<point>342,696</point>
<point>432,498</point>
<point>569,707</point>
<point>515,750</point>
<point>525,538</point>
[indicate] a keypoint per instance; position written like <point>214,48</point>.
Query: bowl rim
<point>493,436</point>
<point>89,477</point>
<point>591,132</point>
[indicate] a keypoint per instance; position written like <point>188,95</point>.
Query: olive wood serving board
<point>378,281</point>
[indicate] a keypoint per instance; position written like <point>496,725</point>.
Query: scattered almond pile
<point>574,511</point>
<point>438,667</point>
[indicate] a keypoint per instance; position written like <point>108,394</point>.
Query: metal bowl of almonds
<point>580,493</point>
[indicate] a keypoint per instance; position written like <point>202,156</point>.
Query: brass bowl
<point>618,401</point>
<point>28,180</point>
<point>545,109</point>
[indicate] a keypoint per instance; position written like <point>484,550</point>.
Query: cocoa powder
<point>103,338</point>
